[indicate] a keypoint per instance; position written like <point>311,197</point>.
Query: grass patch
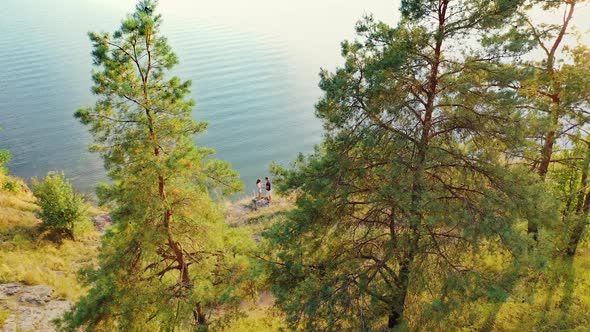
<point>556,300</point>
<point>258,319</point>
<point>241,213</point>
<point>28,257</point>
<point>3,317</point>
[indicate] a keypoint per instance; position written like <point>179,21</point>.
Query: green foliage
<point>553,91</point>
<point>444,155</point>
<point>169,262</point>
<point>27,258</point>
<point>6,184</point>
<point>258,319</point>
<point>61,207</point>
<point>418,203</point>
<point>10,185</point>
<point>412,190</point>
<point>4,158</point>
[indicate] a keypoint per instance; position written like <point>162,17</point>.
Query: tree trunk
<point>547,151</point>
<point>578,229</point>
<point>554,94</point>
<point>575,236</point>
<point>546,155</point>
<point>581,199</point>
<point>397,309</point>
<point>394,319</point>
<point>583,209</point>
<point>200,318</point>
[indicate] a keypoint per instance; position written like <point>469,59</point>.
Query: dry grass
<point>258,319</point>
<point>243,214</point>
<point>556,300</point>
<point>27,257</point>
<point>3,317</point>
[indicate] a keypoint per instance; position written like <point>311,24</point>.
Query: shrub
<point>10,185</point>
<point>61,207</point>
<point>5,184</point>
<point>4,158</point>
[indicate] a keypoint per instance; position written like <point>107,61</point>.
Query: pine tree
<point>544,86</point>
<point>169,262</point>
<point>412,187</point>
<point>554,90</point>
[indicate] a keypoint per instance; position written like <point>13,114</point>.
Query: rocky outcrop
<point>258,203</point>
<point>102,222</point>
<point>31,308</point>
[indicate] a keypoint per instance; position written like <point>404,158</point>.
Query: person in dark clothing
<point>268,189</point>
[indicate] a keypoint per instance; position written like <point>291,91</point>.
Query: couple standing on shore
<point>267,187</point>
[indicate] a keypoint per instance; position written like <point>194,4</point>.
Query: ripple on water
<point>243,83</point>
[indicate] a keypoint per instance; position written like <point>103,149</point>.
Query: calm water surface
<point>254,70</point>
<point>254,66</point>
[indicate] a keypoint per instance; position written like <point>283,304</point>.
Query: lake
<point>254,67</point>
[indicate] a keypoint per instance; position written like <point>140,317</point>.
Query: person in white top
<point>258,189</point>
